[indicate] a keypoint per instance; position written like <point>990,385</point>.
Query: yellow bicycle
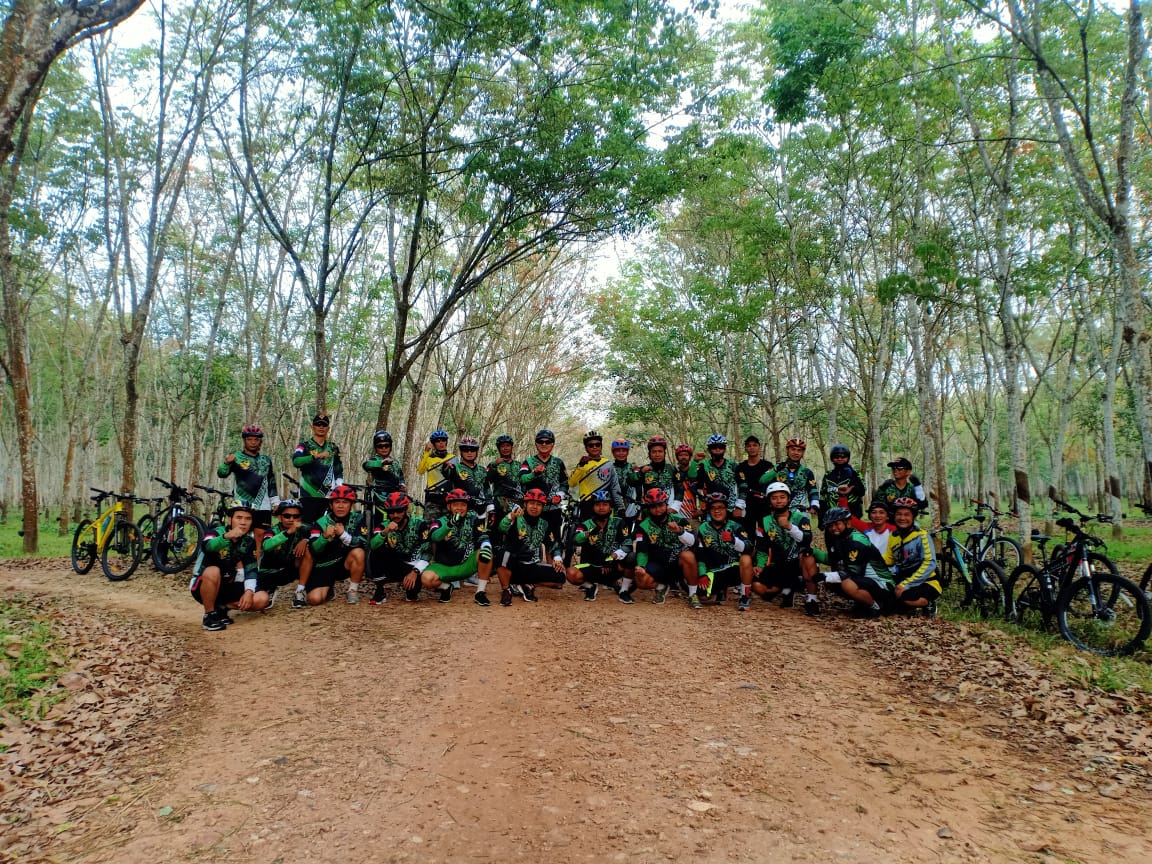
<point>112,536</point>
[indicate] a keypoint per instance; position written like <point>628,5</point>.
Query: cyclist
<point>627,479</point>
<point>912,559</point>
<point>321,469</point>
<point>842,486</point>
<point>605,552</point>
<point>399,549</point>
<point>465,473</point>
<point>860,569</point>
<point>685,485</point>
<point>659,474</point>
<point>531,555</point>
<point>593,473</point>
<point>664,555</point>
<point>255,479</point>
<point>462,549</point>
<point>784,559</point>
<point>718,475</point>
<point>502,484</point>
<point>285,558</point>
<point>337,541</point>
<point>224,575</point>
<point>723,554</point>
<point>437,486</point>
<point>749,478</point>
<point>800,479</point>
<point>385,470</point>
<point>547,472</point>
<point>902,484</point>
<point>878,528</point>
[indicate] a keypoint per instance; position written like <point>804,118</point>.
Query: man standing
<point>800,479</point>
<point>749,476</point>
<point>255,479</point>
<point>904,484</point>
<point>547,472</point>
<point>842,486</point>
<point>594,473</point>
<point>435,457</point>
<point>321,470</point>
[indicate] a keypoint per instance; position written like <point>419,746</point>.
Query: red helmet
<point>342,493</point>
<point>683,448</point>
<point>457,495</point>
<point>396,501</point>
<point>797,442</point>
<point>251,432</point>
<point>655,496</point>
<point>657,441</point>
<point>536,495</point>
<point>467,443</point>
<point>911,503</point>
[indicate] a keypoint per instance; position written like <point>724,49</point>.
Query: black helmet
<point>504,439</point>
<point>838,514</point>
<point>839,450</point>
<point>545,435</point>
<point>593,435</point>
<point>382,436</point>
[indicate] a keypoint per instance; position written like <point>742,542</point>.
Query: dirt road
<point>569,731</point>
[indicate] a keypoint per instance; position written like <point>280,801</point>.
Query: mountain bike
<point>967,580</point>
<point>112,536</point>
<point>220,511</point>
<point>147,521</point>
<point>1095,609</point>
<point>178,532</point>
<point>991,542</point>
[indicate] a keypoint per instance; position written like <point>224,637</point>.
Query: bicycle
<point>178,532</point>
<point>220,512</point>
<point>991,542</point>
<point>147,521</point>
<point>112,536</point>
<point>1095,609</point>
<point>982,580</point>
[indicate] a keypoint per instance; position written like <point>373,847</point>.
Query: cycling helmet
<point>504,439</point>
<point>838,450</point>
<point>911,503</point>
<point>683,448</point>
<point>717,440</point>
<point>657,441</point>
<point>882,505</point>
<point>717,498</point>
<point>545,435</point>
<point>251,432</point>
<point>778,487</point>
<point>438,435</point>
<point>655,496</point>
<point>536,495</point>
<point>467,443</point>
<point>342,493</point>
<point>285,503</point>
<point>797,442</point>
<point>234,504</point>
<point>382,436</point>
<point>837,514</point>
<point>457,495</point>
<point>394,502</point>
<point>600,495</point>
<point>593,435</point>
<point>621,444</point>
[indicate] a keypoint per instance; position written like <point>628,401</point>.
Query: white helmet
<point>778,487</point>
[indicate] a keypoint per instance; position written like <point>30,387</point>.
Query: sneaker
<point>412,596</point>
<point>352,597</point>
<point>517,590</point>
<point>446,594</point>
<point>506,597</point>
<point>380,595</point>
<point>929,610</point>
<point>212,622</point>
<point>223,616</point>
<point>694,602</point>
<point>271,599</point>
<point>481,599</point>
<point>745,602</point>
<point>625,597</point>
<point>865,612</point>
<point>660,596</point>
<point>528,592</point>
<point>787,601</point>
<point>721,596</point>
<point>811,607</point>
<point>299,600</point>
<point>590,591</point>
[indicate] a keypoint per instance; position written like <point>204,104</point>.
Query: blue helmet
<point>717,440</point>
<point>438,435</point>
<point>600,495</point>
<point>621,444</point>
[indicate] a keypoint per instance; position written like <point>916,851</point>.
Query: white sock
<point>784,592</point>
<point>743,590</point>
<point>692,590</point>
<point>660,586</point>
<point>481,584</point>
<point>300,589</point>
<point>625,584</point>
<point>811,597</point>
<point>455,584</point>
<point>353,587</point>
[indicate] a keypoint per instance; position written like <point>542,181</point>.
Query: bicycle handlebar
<point>980,505</point>
<point>209,489</point>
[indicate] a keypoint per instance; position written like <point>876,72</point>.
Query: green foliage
<point>29,665</point>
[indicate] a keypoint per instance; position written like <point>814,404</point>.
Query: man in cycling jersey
<point>531,555</point>
<point>465,473</point>
<point>399,549</point>
<point>664,555</point>
<point>784,559</point>
<point>749,478</point>
<point>502,485</point>
<point>462,549</point>
<point>437,487</point>
<point>723,555</point>
<point>284,558</point>
<point>593,473</point>
<point>902,484</point>
<point>687,489</point>
<point>718,475</point>
<point>878,528</point>
<point>605,552</point>
<point>321,469</point>
<point>842,486</point>
<point>385,470</point>
<point>659,473</point>
<point>255,482</point>
<point>860,570</point>
<point>546,471</point>
<point>800,479</point>
<point>338,541</point>
<point>627,479</point>
<point>912,559</point>
<point>224,575</point>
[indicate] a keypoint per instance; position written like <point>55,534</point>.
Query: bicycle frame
<point>105,520</point>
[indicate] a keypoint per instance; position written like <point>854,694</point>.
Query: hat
<point>901,462</point>
<point>751,439</point>
<point>321,420</point>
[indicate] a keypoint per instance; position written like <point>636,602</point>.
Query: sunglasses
<point>289,515</point>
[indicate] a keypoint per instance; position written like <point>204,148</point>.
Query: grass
<point>52,545</point>
<point>29,664</point>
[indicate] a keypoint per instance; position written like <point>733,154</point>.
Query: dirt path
<point>570,731</point>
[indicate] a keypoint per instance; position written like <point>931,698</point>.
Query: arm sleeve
<point>223,470</point>
<point>216,543</point>
<point>426,463</point>
<point>275,540</point>
<point>302,456</point>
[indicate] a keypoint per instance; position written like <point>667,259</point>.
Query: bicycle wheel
<point>986,592</point>
<point>176,543</point>
<point>1028,608</point>
<point>1098,563</point>
<point>1006,552</point>
<point>84,547</point>
<point>122,552</point>
<point>1146,582</point>
<point>147,526</point>
<point>1104,614</point>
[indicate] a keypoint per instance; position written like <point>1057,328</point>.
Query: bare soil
<point>568,731</point>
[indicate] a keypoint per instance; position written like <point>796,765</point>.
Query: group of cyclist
<point>702,525</point>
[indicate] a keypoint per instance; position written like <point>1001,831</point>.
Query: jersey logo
<point>852,555</point>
